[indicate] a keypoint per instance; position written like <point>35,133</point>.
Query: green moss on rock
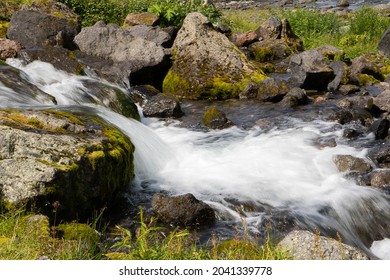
<point>79,232</point>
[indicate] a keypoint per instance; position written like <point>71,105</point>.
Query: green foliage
<point>172,13</point>
<point>357,33</point>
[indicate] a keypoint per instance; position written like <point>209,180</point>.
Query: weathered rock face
<point>138,59</point>
<point>304,245</point>
<point>8,48</point>
<point>13,78</point>
<point>34,27</point>
<point>310,69</point>
<point>347,163</point>
<point>184,210</point>
<point>206,65</point>
<point>45,156</point>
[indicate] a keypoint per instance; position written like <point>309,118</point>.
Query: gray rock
<point>304,245</point>
<point>311,70</point>
<point>343,4</point>
<point>245,39</point>
<point>382,101</point>
<point>295,97</point>
<point>340,70</point>
<point>160,106</point>
<point>34,28</point>
<point>184,210</point>
<point>48,156</point>
<point>381,155</point>
<point>216,119</point>
<point>366,69</point>
<point>348,163</point>
<point>206,65</point>
<point>380,128</point>
<point>161,36</point>
<point>381,178</point>
<point>270,29</point>
<point>271,90</point>
<point>384,43</point>
<point>135,58</point>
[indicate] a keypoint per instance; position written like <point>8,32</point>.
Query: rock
<point>15,80</point>
<point>144,18</point>
<point>295,97</point>
<point>47,156</point>
<point>368,69</point>
<point>382,101</point>
<point>215,119</point>
<point>269,50</point>
<point>111,97</point>
<point>384,43</point>
<point>161,36</point>
<point>160,106</point>
<point>348,163</point>
<point>343,4</point>
<point>310,69</point>
<point>380,128</point>
<point>381,179</point>
<point>277,41</point>
<point>9,48</point>
<point>350,133</point>
<point>380,155</point>
<point>184,210</point>
<point>136,59</point>
<point>35,27</point>
<point>348,89</point>
<point>271,90</point>
<point>340,70</point>
<point>141,94</point>
<point>206,65</point>
<point>245,39</point>
<point>304,245</point>
<point>342,116</point>
<point>59,57</point>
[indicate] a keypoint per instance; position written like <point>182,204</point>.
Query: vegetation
<point>27,236</point>
<point>356,33</point>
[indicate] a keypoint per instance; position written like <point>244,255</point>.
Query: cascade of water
<point>280,168</point>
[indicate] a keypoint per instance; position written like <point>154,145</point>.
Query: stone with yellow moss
<point>206,65</point>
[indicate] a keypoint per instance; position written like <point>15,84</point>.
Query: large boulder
<point>304,245</point>
<point>369,69</point>
<point>183,210</point>
<point>310,69</point>
<point>135,58</point>
<point>47,156</point>
<point>36,26</point>
<point>206,65</point>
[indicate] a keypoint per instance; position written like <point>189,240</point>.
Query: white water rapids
<point>279,169</point>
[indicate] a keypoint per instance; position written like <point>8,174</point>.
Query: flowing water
<point>254,176</point>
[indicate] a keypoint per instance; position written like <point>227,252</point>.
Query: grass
<point>357,33</point>
<point>25,236</point>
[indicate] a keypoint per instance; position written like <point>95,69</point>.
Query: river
<point>254,175</point>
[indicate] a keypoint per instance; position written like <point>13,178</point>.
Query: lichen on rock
<point>206,65</point>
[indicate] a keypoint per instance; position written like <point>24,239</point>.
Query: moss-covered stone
<point>3,29</point>
<point>79,232</point>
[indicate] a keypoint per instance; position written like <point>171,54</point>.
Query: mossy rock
<point>37,225</point>
<point>369,69</point>
<point>79,232</point>
<point>3,29</point>
<point>215,119</point>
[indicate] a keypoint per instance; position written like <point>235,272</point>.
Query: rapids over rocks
<point>267,172</point>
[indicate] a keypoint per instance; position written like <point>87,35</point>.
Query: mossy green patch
<point>3,29</point>
<point>211,115</point>
<point>79,232</point>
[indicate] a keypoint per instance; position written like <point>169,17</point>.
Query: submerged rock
<point>216,119</point>
<point>348,163</point>
<point>206,65</point>
<point>304,245</point>
<point>184,210</point>
<point>46,156</point>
